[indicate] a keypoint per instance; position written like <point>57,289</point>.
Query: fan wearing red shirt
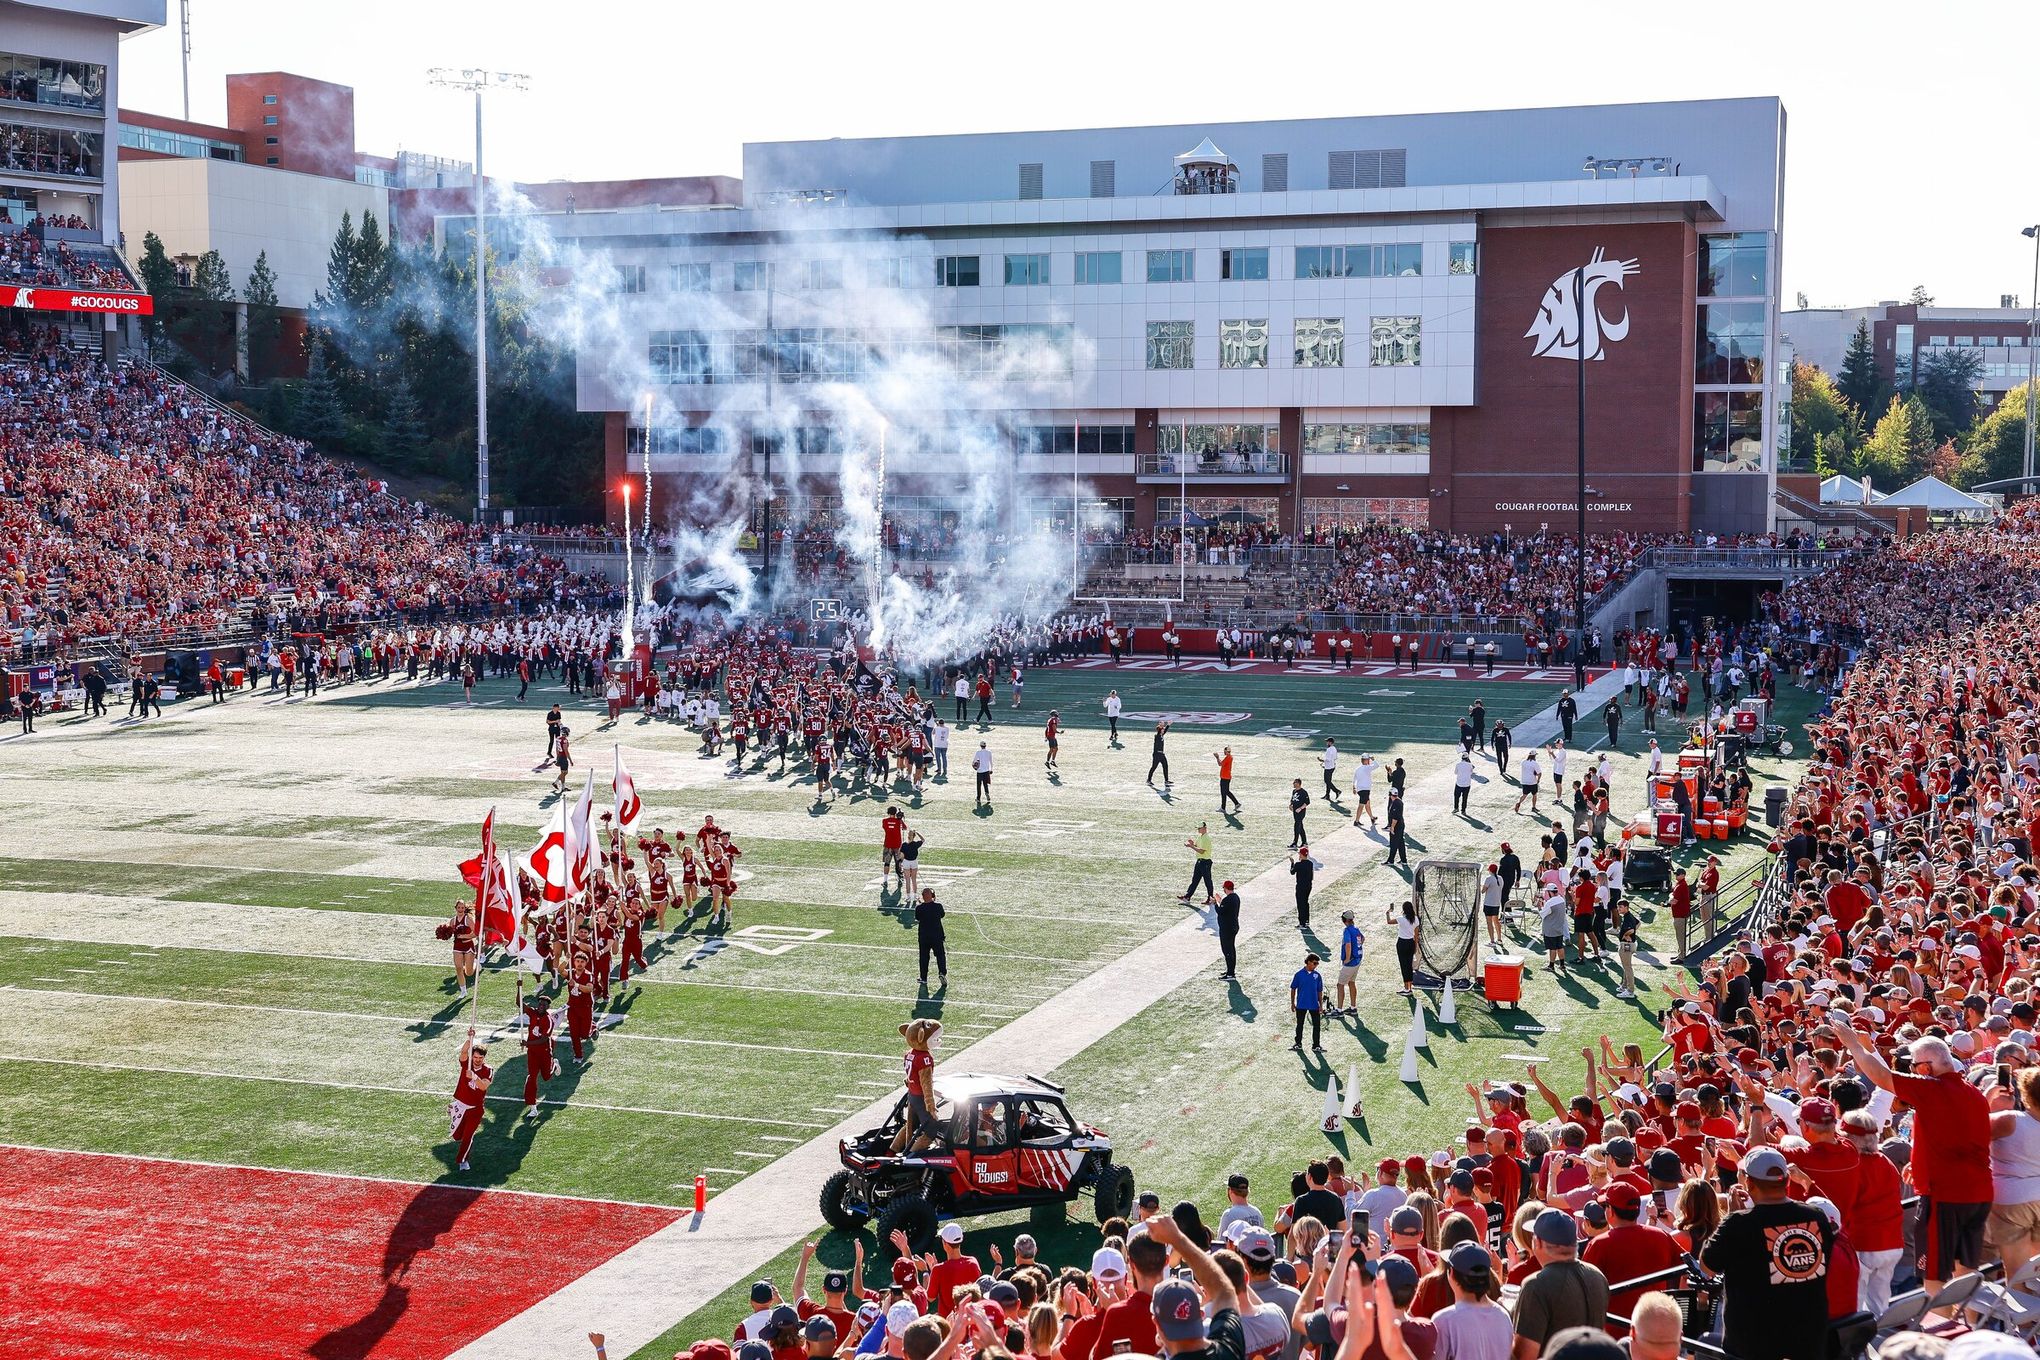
<point>953,1271</point>
<point>1132,1319</point>
<point>1951,1149</point>
<point>894,828</point>
<point>1630,1249</point>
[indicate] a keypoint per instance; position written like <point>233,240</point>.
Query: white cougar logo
<point>1560,315</point>
<point>24,297</point>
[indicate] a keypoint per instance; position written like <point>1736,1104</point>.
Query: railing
<point>1821,513</point>
<point>1771,561</point>
<point>1254,463</point>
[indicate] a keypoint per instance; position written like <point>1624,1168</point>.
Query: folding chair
<point>1849,1337</point>
<point>2013,1306</point>
<point>1950,1302</point>
<point>1902,1314</point>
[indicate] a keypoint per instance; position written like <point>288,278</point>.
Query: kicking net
<point>1448,919</point>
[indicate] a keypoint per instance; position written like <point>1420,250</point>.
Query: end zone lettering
<point>64,300</point>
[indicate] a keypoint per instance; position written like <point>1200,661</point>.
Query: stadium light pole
<point>2032,340</point>
<point>477,81</point>
<point>1580,547</point>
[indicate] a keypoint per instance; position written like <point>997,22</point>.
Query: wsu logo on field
<point>1569,325</point>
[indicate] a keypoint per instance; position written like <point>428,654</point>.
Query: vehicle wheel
<point>912,1215</point>
<point>835,1212</point>
<point>1047,1218</point>
<point>1115,1192</point>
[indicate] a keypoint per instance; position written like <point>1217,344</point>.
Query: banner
<point>67,300</point>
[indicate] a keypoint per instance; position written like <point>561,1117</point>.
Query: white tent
<point>1840,490</point>
<point>1206,152</point>
<point>1936,497</point>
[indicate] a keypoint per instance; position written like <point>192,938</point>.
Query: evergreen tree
<point>1947,385</point>
<point>1819,410</point>
<point>1920,297</point>
<point>403,432</point>
<point>319,416</point>
<point>158,275</point>
<point>265,319</point>
<point>1860,382</point>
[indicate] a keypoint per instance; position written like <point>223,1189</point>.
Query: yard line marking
<point>517,1099</point>
<point>774,1138</point>
<point>888,1085</point>
<point>725,1171</point>
<point>408,1022</point>
<point>333,1175</point>
<point>761,1156</point>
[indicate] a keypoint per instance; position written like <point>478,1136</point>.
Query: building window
<point>691,278</point>
<point>1728,431</point>
<point>1733,265</point>
<point>269,160</point>
<point>1400,260</point>
<point>1730,347</point>
<point>956,271</point>
<point>1320,342</point>
<point>891,272</point>
<point>1026,271</point>
<point>1248,262</point>
<point>1171,344</point>
<point>1395,341</point>
<point>1098,266</point>
<point>1369,441</point>
<point>1243,344</point>
<point>820,275</point>
<point>270,141</point>
<point>1357,512</point>
<point>1462,258</point>
<point>752,276</point>
<point>1251,449</point>
<point>628,278</point>
<point>269,99</point>
<point>269,120</point>
<point>1170,266</point>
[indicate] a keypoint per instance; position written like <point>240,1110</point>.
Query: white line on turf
<point>343,1175</point>
<point>417,1091</point>
<point>461,1021</point>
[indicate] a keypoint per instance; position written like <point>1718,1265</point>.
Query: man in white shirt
<point>1363,790</point>
<point>938,742</point>
<point>982,763</point>
<point>1462,784</point>
<point>1330,761</point>
<point>962,692</point>
<point>1558,759</point>
<point>1113,707</point>
<point>1529,777</point>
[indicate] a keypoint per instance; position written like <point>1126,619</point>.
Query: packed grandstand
<point>1854,1072</point>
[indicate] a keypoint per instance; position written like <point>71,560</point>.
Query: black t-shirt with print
<point>1773,1260</point>
<point>1224,1339</point>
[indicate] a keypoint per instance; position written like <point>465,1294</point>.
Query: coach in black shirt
<point>928,914</point>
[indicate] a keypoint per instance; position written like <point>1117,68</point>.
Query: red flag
<point>629,807</point>
<point>471,869</point>
<point>498,907</point>
<point>548,860</point>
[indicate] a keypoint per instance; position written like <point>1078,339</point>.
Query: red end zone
<point>122,1258</point>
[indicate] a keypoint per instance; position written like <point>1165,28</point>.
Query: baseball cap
<point>711,1349</point>
<point>1665,1166</point>
<point>1584,1343</point>
<point>1398,1271</point>
<point>1623,1199</point>
<point>835,1282</point>
<point>1818,1112</point>
<point>1346,915</point>
<point>1236,1182</point>
<point>818,1328</point>
<point>868,1315</point>
<point>1553,1226</point>
<point>1406,1219</point>
<point>952,1231</point>
<point>1462,1181</point>
<point>782,1316</point>
<point>900,1316</point>
<point>1595,1213</point>
<point>903,1271</point>
<point>1689,1112</point>
<point>1987,1346</point>
<point>761,1292</point>
<point>1765,1164</point>
<point>1148,1199</point>
<point>1108,1264</point>
<point>754,1350</point>
<point>1179,1311</point>
<point>1256,1245</point>
<point>1389,1166</point>
<point>1471,1259</point>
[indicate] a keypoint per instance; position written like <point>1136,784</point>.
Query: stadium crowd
<point>1842,1125</point>
<point>130,509</point>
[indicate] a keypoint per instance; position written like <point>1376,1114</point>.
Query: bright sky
<point>1910,158</point>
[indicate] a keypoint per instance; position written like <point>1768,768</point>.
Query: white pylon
<point>1420,1033</point>
<point>1448,1010</point>
<point>1353,1110</point>
<point>1409,1056</point>
<point>1333,1107</point>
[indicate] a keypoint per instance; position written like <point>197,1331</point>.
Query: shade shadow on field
<point>1240,1003</point>
<point>431,1213</point>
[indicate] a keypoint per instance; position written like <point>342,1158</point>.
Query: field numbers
<point>1045,829</point>
<point>1340,711</point>
<point>769,940</point>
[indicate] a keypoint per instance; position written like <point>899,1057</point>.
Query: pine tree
<point>1920,297</point>
<point>1860,382</point>
<point>265,322</point>
<point>205,325</point>
<point>319,416</point>
<point>403,432</point>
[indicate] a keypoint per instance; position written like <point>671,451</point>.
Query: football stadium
<point>590,766</point>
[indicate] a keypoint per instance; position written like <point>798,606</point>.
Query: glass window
<point>1171,344</point>
<point>1170,266</point>
<point>1395,341</point>
<point>630,278</point>
<point>1026,271</point>
<point>269,141</point>
<point>52,82</point>
<point>269,120</point>
<point>1462,258</point>
<point>1401,260</point>
<point>50,151</point>
<point>269,99</point>
<point>1320,342</point>
<point>752,276</point>
<point>1728,431</point>
<point>1355,512</point>
<point>691,277</point>
<point>1378,441</point>
<point>1249,262</point>
<point>895,272</point>
<point>1733,265</point>
<point>1243,344</point>
<point>956,271</point>
<point>1098,266</point>
<point>1730,345</point>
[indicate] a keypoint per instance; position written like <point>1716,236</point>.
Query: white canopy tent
<point>1840,490</point>
<point>1936,497</point>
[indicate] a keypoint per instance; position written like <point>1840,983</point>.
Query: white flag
<point>523,946</point>
<point>582,851</point>
<point>628,806</point>
<point>548,861</point>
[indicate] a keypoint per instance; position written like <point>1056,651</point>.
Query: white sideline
<point>641,1291</point>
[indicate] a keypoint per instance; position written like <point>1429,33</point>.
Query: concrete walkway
<point>637,1294</point>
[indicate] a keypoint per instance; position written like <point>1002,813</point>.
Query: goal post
<point>1447,894</point>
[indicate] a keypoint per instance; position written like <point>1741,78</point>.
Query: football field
<point>219,973</point>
